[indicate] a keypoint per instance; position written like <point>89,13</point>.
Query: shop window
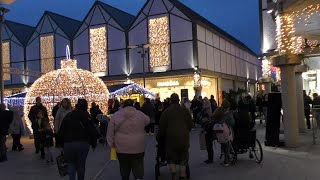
<point>6,59</point>
<point>47,53</point>
<point>98,49</point>
<point>159,39</point>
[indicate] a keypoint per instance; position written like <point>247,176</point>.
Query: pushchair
<point>161,157</point>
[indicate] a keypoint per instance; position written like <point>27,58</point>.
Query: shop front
<point>182,85</point>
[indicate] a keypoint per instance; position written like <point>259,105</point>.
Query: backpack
<point>223,133</point>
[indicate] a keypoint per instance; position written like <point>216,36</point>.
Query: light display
<point>132,89</point>
<point>287,40</point>
<point>196,79</point>
<point>98,49</point>
<point>47,53</point>
<point>159,39</point>
<point>6,59</point>
<point>67,82</point>
<point>266,67</point>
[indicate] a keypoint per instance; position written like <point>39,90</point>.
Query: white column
<point>300,103</point>
<point>289,105</point>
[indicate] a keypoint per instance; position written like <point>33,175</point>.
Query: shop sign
<point>168,84</point>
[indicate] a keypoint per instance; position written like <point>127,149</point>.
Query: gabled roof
<point>21,31</point>
<point>199,19</point>
<point>68,25</point>
<point>124,19</point>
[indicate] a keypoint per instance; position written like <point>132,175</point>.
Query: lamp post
<point>143,51</point>
<point>2,12</point>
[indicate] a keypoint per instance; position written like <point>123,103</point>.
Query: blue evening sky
<point>240,18</point>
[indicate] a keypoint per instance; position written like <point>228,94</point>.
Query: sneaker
<point>225,164</point>
<point>208,161</point>
<point>21,149</point>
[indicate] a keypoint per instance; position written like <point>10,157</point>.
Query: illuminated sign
<point>168,84</point>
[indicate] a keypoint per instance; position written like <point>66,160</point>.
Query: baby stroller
<point>161,157</point>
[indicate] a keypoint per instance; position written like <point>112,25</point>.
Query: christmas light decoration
<point>266,67</point>
<point>67,82</point>
<point>159,39</point>
<point>287,40</point>
<point>47,53</point>
<point>6,59</point>
<point>98,49</point>
<point>15,100</point>
<point>132,89</point>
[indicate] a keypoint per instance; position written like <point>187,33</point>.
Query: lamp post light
<point>2,12</point>
<point>143,51</point>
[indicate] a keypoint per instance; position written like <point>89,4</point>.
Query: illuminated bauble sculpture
<point>67,82</point>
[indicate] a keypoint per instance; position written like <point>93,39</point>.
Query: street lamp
<point>143,51</point>
<point>2,12</point>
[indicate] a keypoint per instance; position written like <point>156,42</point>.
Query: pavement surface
<point>293,164</point>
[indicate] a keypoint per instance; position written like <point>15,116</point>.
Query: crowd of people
<point>75,129</point>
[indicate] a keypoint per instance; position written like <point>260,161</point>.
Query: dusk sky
<point>240,18</point>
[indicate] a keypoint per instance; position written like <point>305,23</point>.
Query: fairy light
<point>159,38</point>
<point>266,68</point>
<point>47,53</point>
<point>98,49</point>
<point>288,42</point>
<point>67,82</point>
<point>132,89</point>
<point>6,59</point>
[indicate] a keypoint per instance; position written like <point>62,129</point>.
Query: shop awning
<point>129,89</point>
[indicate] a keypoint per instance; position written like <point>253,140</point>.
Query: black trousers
<point>16,141</point>
<point>131,162</point>
<point>209,144</point>
<point>149,128</point>
<point>307,115</point>
<point>37,143</point>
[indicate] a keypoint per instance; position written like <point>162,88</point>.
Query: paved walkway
<point>294,164</point>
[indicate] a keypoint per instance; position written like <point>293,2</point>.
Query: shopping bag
<point>113,154</point>
<point>62,165</point>
<point>202,141</point>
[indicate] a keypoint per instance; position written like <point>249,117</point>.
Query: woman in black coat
<point>78,133</point>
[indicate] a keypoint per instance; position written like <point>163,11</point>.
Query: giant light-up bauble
<point>67,82</point>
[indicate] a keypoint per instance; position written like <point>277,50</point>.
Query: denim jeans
<point>76,155</point>
<point>3,148</point>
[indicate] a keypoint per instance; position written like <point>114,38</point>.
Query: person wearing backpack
<point>223,133</point>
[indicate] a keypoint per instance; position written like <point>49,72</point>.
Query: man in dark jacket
<point>307,102</point>
<point>94,111</point>
<point>149,110</point>
<point>5,121</point>
<point>175,126</point>
<point>35,127</point>
<point>214,104</point>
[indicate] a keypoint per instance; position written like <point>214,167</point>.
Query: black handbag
<point>62,165</point>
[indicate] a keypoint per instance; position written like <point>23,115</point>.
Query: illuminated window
<point>159,40</point>
<point>6,59</point>
<point>47,53</point>
<point>98,49</point>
